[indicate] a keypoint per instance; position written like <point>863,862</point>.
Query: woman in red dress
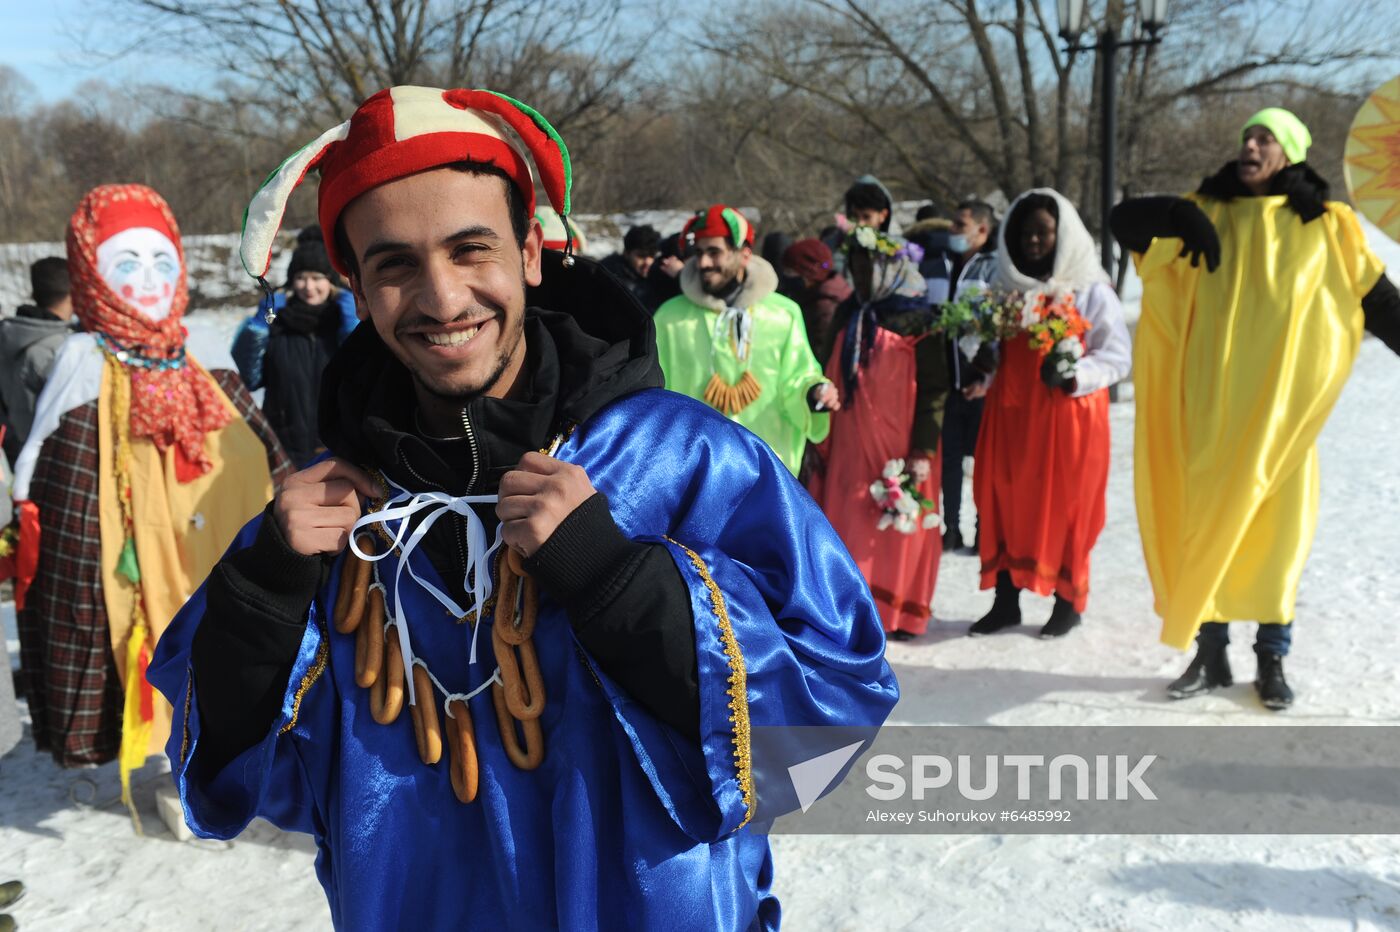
<point>1043,454</point>
<point>894,381</point>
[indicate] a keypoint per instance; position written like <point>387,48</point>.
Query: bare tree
<point>312,61</point>
<point>948,96</point>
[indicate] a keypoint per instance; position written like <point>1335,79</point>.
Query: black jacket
<point>300,343</point>
<point>640,287</point>
<point>626,600</point>
<point>1135,223</point>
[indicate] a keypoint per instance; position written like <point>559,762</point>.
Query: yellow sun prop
<point>1373,159</point>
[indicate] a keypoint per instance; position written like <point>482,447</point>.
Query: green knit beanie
<point>1290,132</point>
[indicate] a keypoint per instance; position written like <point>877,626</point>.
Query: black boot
<point>1063,620</point>
<point>1006,609</point>
<point>952,540</point>
<point>1269,683</point>
<point>1210,669</point>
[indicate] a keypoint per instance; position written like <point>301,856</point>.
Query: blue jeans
<point>1271,639</point>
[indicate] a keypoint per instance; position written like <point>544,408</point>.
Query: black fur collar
<point>1306,190</point>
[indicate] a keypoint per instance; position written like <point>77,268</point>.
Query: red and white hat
<point>401,131</point>
<point>718,220</point>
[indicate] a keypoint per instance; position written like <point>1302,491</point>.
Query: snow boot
<point>1063,620</point>
<point>7,923</point>
<point>1209,669</point>
<point>1006,609</point>
<point>10,891</point>
<point>1273,689</point>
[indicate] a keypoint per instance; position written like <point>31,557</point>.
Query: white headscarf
<point>1076,257</point>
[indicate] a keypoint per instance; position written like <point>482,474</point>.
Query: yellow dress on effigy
<point>1236,372</point>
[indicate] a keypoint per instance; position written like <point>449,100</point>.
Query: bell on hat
<point>563,235</point>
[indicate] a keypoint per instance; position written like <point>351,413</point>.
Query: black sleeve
<point>1136,223</point>
<point>256,602</point>
<point>931,392</point>
<point>1382,309</point>
<point>630,608</point>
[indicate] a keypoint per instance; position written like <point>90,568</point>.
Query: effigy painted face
<point>142,266</point>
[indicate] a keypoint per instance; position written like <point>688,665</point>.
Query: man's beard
<point>462,396</point>
<point>506,350</point>
<point>721,287</point>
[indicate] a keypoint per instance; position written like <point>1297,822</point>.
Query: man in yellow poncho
<point>1239,364</point>
<point>730,340</point>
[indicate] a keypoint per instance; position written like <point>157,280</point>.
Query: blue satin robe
<point>627,823</point>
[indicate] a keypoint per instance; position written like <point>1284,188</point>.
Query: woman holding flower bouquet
<point>877,480</point>
<point>1042,457</point>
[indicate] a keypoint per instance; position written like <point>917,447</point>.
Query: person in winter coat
<point>575,755</point>
<point>893,376</point>
<point>29,341</point>
<point>665,274</point>
<point>966,264</point>
<point>823,292</point>
<point>774,245</point>
<point>314,313</point>
<point>732,341</point>
<point>929,231</point>
<point>632,267</point>
<point>1256,292</point>
<point>1043,453</point>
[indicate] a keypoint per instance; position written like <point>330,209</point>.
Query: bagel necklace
<point>383,659</point>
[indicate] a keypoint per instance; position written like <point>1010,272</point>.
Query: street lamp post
<point>1153,16</point>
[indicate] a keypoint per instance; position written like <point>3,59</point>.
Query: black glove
<point>1198,236</point>
<point>1051,376</point>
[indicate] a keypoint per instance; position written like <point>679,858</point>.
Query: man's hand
<point>671,265</point>
<point>975,390</point>
<point>824,397</point>
<point>316,508</point>
<point>920,467</point>
<point>535,498</point>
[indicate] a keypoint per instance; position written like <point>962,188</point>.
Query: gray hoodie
<point>28,343</point>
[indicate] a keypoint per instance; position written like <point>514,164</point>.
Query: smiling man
<point>1256,292</point>
<point>679,587</point>
<point>730,340</point>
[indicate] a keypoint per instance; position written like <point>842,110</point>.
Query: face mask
<point>142,266</point>
<point>957,242</point>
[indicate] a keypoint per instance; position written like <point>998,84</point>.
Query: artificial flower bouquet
<point>1051,322</point>
<point>903,507</point>
<point>1055,327</point>
<point>876,241</point>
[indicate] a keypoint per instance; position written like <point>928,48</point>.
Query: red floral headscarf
<point>169,406</point>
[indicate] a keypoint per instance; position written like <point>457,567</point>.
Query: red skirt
<point>872,428</point>
<point>1042,471</point>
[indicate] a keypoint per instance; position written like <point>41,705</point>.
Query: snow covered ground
<point>66,834</point>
